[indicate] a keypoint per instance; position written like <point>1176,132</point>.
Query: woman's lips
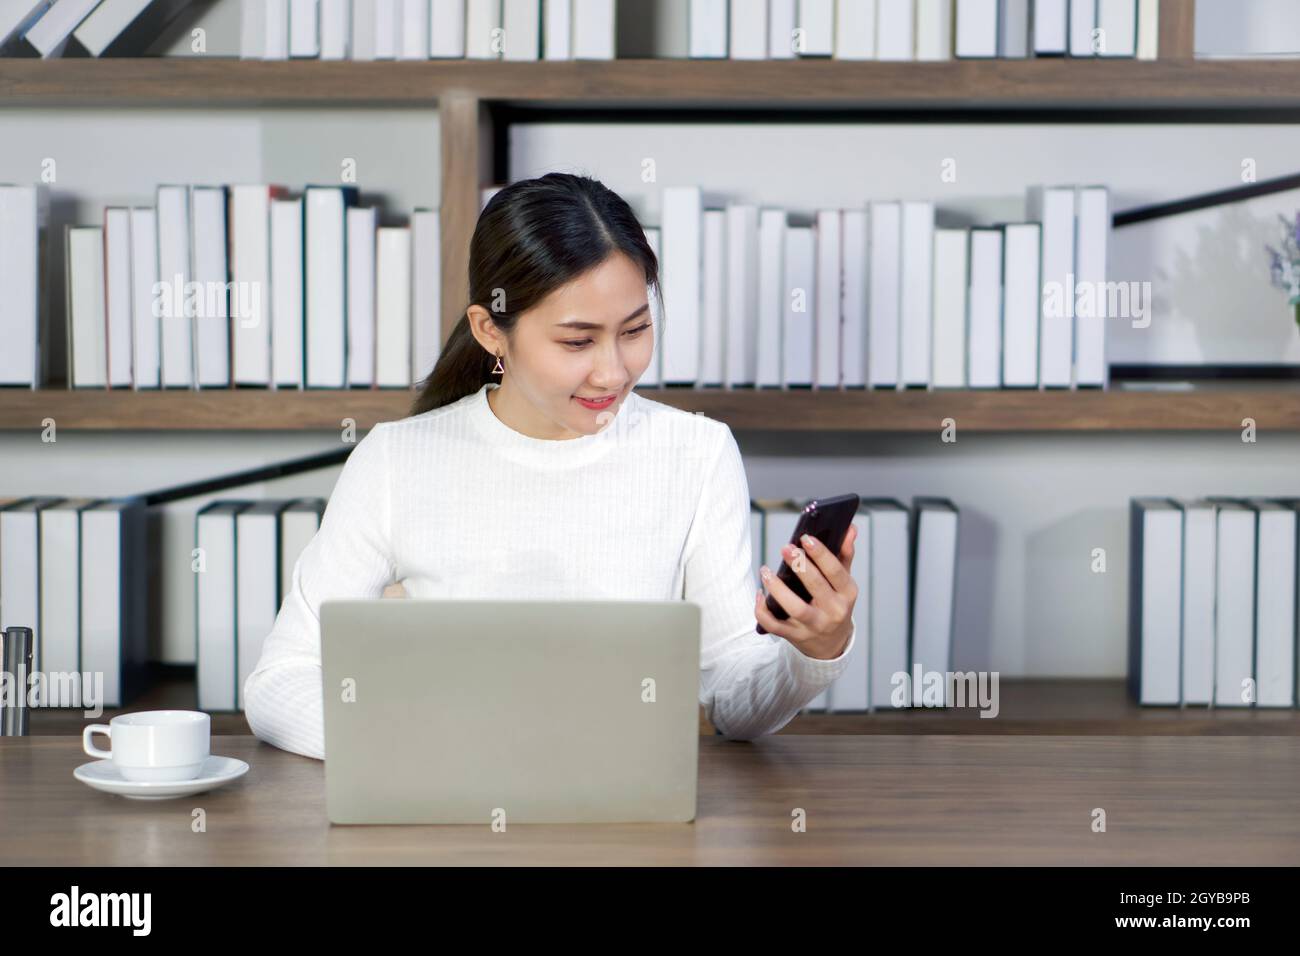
<point>596,405</point>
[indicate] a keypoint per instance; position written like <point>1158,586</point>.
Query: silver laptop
<point>444,711</point>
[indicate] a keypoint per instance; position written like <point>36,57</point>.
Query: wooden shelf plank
<point>1178,83</point>
<point>1274,408</point>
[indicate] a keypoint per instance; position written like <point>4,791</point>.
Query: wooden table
<point>876,799</point>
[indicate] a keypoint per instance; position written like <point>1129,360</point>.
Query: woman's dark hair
<point>533,236</point>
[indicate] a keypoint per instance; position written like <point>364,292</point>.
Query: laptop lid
<point>450,711</point>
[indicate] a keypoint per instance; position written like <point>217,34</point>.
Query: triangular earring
<point>499,370</point>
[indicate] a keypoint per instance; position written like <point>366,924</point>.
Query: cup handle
<point>90,748</point>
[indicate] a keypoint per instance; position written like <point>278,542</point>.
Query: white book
<point>984,362</point>
<point>895,30</point>
<point>1234,632</point>
<point>681,228</point>
<point>1117,23</point>
<point>49,35</point>
<point>557,29</point>
<point>326,258</point>
<point>934,29</point>
<point>1013,29</point>
<point>800,306</point>
<point>855,29</point>
<point>257,585</point>
<point>851,690</point>
<point>916,303</point>
<point>250,274</point>
<point>1275,601</point>
<point>174,272</point>
<point>304,28</point>
<point>890,587</point>
<point>276,30</point>
<point>934,594</point>
<point>782,17</point>
<point>252,29</point>
<point>741,334</point>
<point>748,37</point>
<point>829,286</point>
<point>117,294</point>
<point>426,291</point>
<point>1090,265</point>
<point>299,523</point>
<point>951,285</point>
<point>393,306</point>
<point>652,376</point>
<point>287,305</point>
<point>1083,21</point>
<point>1199,523</point>
<point>116,566</point>
<point>771,296</point>
<point>523,29</point>
<point>20,581</point>
<point>86,324</point>
<point>335,29</point>
<point>593,29</point>
<point>1051,27</point>
<point>364,27</point>
<point>23,214</point>
<point>884,292</point>
<point>361,225</point>
<point>1020,303</point>
<point>977,29</point>
<point>1053,207</point>
<point>708,29</point>
<point>60,578</point>
<point>1148,29</point>
<point>854,263</point>
<point>817,20</point>
<point>713,291</point>
<point>146,330</point>
<point>482,29</point>
<point>1155,601</point>
<point>447,29</point>
<point>414,31</point>
<point>212,275</point>
<point>18,16</point>
<point>388,25</point>
<point>125,27</point>
<point>215,597</point>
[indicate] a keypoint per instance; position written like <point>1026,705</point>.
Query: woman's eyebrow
<point>574,324</point>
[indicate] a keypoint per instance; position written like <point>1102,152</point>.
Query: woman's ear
<point>483,330</point>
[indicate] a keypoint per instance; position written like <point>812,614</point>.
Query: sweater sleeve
<point>751,684</point>
<point>348,557</point>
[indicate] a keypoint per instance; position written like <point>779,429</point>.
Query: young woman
<point>530,469</point>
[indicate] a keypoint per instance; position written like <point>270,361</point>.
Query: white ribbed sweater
<point>454,503</point>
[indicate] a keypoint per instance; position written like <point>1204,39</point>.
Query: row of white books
<point>427,29</point>
<point>217,286</point>
<point>83,574</point>
<point>880,296</point>
<point>49,28</point>
<point>905,567</point>
<point>1212,601</point>
<point>250,549</point>
<point>77,571</point>
<point>922,29</point>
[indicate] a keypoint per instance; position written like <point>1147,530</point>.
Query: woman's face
<point>591,338</point>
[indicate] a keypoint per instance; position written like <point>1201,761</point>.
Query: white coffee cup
<point>154,744</point>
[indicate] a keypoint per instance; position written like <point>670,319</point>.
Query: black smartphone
<point>827,520</point>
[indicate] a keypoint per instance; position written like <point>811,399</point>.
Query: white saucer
<point>102,775</point>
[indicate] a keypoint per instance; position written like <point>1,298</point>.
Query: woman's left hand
<point>820,629</point>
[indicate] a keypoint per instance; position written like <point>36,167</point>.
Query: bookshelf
<point>475,101</point>
<point>1211,407</point>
